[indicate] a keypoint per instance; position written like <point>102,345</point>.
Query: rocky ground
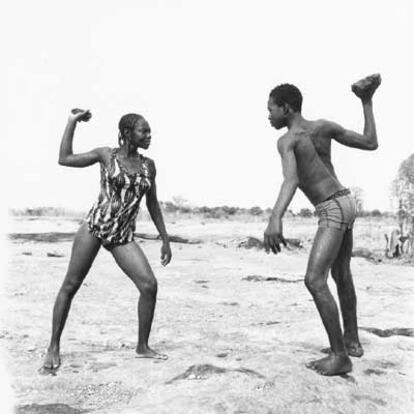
<point>238,326</point>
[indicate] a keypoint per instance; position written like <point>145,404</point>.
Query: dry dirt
<point>238,326</point>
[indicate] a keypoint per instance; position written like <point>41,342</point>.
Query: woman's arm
<point>66,155</point>
<point>156,216</point>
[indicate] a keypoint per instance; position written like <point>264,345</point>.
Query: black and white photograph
<point>208,207</point>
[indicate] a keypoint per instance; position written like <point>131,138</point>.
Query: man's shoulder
<point>282,140</point>
<point>322,124</point>
<point>324,127</point>
<point>287,141</point>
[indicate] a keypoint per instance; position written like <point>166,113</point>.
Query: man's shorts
<point>338,211</point>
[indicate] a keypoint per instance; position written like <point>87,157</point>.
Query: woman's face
<point>141,134</point>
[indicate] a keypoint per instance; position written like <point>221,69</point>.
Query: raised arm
<point>66,155</point>
<point>364,89</point>
<point>273,235</point>
<point>156,216</point>
<point>366,141</point>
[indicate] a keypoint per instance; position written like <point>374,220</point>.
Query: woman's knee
<point>148,287</point>
<point>70,286</point>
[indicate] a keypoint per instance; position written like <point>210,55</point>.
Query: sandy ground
<point>235,345</point>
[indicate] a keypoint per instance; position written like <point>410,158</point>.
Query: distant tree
<point>305,212</point>
<point>179,201</point>
<point>256,211</point>
<point>376,213</point>
<point>230,210</point>
<point>185,209</point>
<point>218,213</point>
<point>358,194</point>
<point>289,213</point>
<point>205,210</point>
<point>403,192</point>
<point>169,207</point>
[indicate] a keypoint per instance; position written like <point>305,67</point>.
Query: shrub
<point>256,211</point>
<point>376,213</point>
<point>305,212</point>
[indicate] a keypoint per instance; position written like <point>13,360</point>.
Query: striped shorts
<point>338,211</point>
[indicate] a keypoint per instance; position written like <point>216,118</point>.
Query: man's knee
<point>314,282</point>
<point>341,273</point>
<point>336,272</point>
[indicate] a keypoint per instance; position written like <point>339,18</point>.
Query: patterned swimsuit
<point>112,218</point>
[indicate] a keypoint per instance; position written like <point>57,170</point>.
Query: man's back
<point>321,140</point>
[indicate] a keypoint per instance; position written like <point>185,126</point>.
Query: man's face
<point>276,116</point>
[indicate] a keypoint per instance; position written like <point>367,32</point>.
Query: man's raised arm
<point>364,89</point>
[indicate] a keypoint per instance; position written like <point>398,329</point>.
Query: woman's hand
<point>78,115</point>
<point>165,253</point>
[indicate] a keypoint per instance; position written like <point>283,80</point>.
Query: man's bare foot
<point>366,87</point>
<point>331,365</point>
<point>147,352</point>
<point>52,360</point>
<point>354,349</point>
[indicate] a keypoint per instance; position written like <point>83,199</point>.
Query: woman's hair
<point>287,94</point>
<point>127,121</point>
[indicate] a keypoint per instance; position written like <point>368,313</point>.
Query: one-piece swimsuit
<point>112,218</point>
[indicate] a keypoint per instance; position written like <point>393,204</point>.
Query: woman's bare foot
<point>354,349</point>
<point>147,352</point>
<point>331,365</point>
<point>366,87</point>
<point>52,359</point>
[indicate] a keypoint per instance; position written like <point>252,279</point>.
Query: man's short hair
<point>287,93</point>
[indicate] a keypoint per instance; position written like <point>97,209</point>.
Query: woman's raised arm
<point>66,155</point>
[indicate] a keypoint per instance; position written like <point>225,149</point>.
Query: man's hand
<point>273,236</point>
<point>165,253</point>
<point>79,115</point>
<point>366,87</point>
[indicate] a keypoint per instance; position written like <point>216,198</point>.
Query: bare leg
<point>324,251</point>
<point>341,272</point>
<point>133,262</point>
<point>84,250</point>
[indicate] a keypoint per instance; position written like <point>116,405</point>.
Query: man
<point>305,151</point>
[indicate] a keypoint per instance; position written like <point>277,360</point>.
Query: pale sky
<point>200,72</point>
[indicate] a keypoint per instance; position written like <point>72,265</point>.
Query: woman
<point>126,175</point>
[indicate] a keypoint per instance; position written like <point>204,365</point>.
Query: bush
<point>169,207</point>
<point>376,213</point>
<point>230,210</point>
<point>45,211</point>
<point>256,211</point>
<point>305,212</point>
